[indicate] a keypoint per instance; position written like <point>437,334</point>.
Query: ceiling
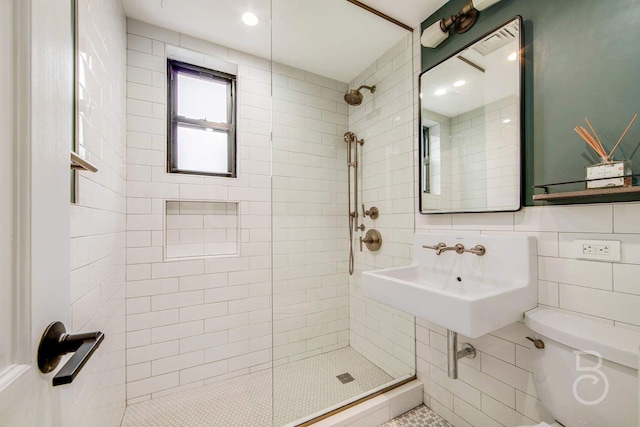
<point>333,38</point>
<point>499,79</point>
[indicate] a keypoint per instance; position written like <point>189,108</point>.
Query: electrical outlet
<point>600,250</point>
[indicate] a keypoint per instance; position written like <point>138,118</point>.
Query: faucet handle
<point>477,249</point>
<point>373,213</point>
<point>438,248</point>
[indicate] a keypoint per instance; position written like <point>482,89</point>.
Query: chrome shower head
<point>354,96</point>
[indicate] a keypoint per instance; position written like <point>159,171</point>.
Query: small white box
<point>617,171</point>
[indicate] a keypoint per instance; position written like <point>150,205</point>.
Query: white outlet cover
<point>597,250</point>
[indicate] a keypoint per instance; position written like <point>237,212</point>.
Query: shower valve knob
<point>373,213</point>
<point>373,240</point>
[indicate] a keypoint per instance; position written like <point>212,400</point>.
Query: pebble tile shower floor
<point>303,387</point>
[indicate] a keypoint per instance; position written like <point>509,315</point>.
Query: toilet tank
<point>587,373</point>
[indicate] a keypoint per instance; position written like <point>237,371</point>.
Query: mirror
<point>470,127</point>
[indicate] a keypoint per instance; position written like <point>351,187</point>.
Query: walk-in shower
<point>275,332</point>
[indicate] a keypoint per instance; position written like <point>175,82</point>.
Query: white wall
<point>496,388</point>
<point>385,120</point>
<point>7,235</point>
<point>194,321</point>
<point>310,230</point>
<point>98,220</point>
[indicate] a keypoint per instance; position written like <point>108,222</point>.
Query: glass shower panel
<point>331,345</point>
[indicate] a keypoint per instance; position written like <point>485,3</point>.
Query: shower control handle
<point>373,240</point>
<point>373,213</point>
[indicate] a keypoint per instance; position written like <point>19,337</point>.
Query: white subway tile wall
<point>385,121</point>
<point>484,158</point>
<point>98,220</point>
<point>194,321</point>
<point>496,388</point>
<point>310,232</point>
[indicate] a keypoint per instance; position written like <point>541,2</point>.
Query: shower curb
<point>380,409</point>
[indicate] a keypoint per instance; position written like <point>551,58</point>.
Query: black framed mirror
<point>471,127</point>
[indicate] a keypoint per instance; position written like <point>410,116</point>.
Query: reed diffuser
<point>609,172</point>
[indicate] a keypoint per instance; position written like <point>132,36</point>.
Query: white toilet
<point>580,389</point>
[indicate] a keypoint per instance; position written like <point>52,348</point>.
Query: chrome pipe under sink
<point>454,353</point>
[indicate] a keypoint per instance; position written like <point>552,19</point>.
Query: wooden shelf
<point>583,194</point>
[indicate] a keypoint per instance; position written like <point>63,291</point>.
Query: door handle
<point>56,342</point>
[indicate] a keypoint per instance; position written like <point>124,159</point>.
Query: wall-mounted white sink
<point>466,293</point>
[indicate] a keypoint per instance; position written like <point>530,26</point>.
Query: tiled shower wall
<point>484,156</point>
<point>310,229</point>
<point>496,388</point>
<point>98,220</point>
<point>385,120</point>
<point>194,321</point>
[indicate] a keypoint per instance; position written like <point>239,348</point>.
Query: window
<point>202,120</point>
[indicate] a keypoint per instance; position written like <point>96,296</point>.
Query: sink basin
<point>466,293</point>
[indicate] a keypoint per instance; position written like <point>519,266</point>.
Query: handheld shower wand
<point>352,162</point>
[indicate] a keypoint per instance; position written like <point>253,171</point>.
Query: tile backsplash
<point>498,384</point>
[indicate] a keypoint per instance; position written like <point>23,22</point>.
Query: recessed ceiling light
<point>512,57</point>
<point>440,92</point>
<point>459,83</point>
<point>506,121</point>
<point>250,19</point>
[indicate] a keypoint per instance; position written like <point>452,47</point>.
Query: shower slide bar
<point>352,163</point>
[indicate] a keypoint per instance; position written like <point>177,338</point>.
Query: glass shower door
<point>331,345</point>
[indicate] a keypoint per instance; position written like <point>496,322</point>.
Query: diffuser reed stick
<point>584,133</point>
<point>623,135</point>
<point>597,138</point>
<point>596,144</point>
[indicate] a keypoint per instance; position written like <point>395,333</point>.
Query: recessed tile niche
<point>201,229</point>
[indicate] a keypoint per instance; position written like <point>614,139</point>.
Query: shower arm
<point>370,88</point>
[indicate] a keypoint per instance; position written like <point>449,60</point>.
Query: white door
<point>36,98</point>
